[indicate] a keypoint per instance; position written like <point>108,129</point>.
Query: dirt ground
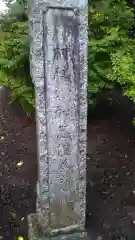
<point>110,170</point>
<point>17,184</point>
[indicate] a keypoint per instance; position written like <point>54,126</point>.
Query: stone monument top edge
<point>66,3</point>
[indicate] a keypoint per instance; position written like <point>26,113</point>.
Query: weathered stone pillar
<point>58,31</point>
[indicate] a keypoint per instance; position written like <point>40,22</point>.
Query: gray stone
<point>58,60</point>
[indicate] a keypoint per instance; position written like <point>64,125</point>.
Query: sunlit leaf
<point>19,164</point>
<point>20,238</point>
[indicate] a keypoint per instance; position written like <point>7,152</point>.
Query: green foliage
<point>14,60</point>
<point>111,51</point>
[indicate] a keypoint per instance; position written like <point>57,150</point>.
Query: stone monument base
<point>36,232</point>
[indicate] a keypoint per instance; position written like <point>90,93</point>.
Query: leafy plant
<point>111,51</point>
<point>14,59</point>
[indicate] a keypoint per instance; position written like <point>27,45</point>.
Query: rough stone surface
<point>36,232</point>
<point>59,71</point>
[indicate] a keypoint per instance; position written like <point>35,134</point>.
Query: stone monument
<point>58,59</point>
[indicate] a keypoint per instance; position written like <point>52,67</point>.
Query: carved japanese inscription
<point>61,61</point>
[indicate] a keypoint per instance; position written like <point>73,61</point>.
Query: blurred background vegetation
<point>111,50</point>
